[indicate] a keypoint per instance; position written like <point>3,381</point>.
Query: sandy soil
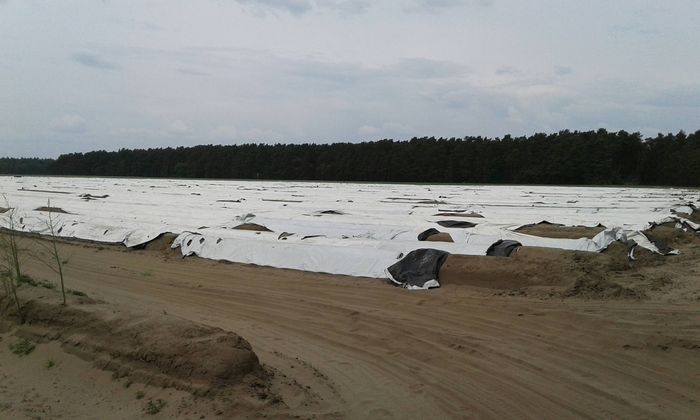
<point>549,230</point>
<point>543,334</point>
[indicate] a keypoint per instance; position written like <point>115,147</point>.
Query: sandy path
<point>372,351</point>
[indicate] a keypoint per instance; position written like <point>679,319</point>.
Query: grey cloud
<point>93,60</point>
<point>562,70</point>
<point>634,30</point>
<point>261,7</point>
<point>674,97</point>
<point>349,7</point>
<point>192,71</point>
<point>639,22</point>
<point>423,68</point>
<point>348,74</point>
<point>178,128</point>
<point>508,71</point>
<point>301,7</point>
<point>436,6</point>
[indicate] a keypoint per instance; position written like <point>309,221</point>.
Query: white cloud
<point>68,123</point>
<point>224,133</point>
<point>385,130</point>
<point>178,127</point>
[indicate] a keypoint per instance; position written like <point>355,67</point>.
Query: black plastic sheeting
<point>419,269</point>
<point>503,248</point>
<point>456,224</point>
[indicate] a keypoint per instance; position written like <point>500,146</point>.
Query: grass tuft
<point>29,281</point>
<point>49,364</point>
<point>154,407</point>
<point>22,348</point>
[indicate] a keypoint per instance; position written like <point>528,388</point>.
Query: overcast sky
<point>80,75</point>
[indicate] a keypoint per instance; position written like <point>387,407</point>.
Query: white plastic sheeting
<point>339,228</point>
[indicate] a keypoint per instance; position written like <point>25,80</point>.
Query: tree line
<point>567,157</point>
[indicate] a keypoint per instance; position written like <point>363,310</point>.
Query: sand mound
<point>51,209</point>
<point>694,216</point>
<point>549,230</point>
<point>673,237</point>
<point>449,214</point>
<point>162,244</point>
<point>90,197</point>
<point>163,350</point>
<point>440,237</point>
<point>335,212</point>
<point>277,200</point>
<point>253,227</point>
<point>530,266</point>
<point>456,224</point>
<point>44,191</point>
<point>434,235</point>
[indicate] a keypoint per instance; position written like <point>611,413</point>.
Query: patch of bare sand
<point>550,230</point>
<point>527,267</point>
<point>358,348</point>
<point>163,245</point>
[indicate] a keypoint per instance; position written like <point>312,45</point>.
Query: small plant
<point>139,395</point>
<point>49,364</point>
<point>127,384</point>
<point>10,260</point>
<point>76,293</point>
<point>154,407</point>
<point>22,348</point>
<point>56,263</point>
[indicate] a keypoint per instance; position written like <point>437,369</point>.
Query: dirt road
<point>369,350</point>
